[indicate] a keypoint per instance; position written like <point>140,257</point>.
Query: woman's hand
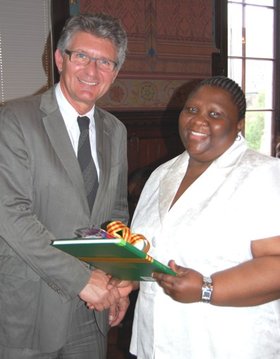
<point>185,287</point>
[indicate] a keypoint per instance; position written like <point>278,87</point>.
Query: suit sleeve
<point>22,236</point>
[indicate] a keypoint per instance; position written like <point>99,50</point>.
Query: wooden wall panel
<point>152,137</point>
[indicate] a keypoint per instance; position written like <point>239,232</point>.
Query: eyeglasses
<point>83,59</point>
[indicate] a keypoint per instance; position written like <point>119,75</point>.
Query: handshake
<point>105,292</point>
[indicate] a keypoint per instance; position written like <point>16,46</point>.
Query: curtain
<point>26,65</point>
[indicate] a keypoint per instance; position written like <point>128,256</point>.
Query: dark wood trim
<point>219,59</point>
<point>277,75</point>
<point>161,120</point>
<point>60,12</point>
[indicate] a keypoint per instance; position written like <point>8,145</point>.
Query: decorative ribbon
<point>119,230</point>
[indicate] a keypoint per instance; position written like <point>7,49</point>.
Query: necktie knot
<point>83,122</point>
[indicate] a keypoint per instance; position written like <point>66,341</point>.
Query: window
<point>252,63</point>
<point>25,48</point>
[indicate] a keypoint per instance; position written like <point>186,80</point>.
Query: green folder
<point>114,256</point>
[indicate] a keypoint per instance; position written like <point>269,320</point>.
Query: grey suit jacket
<point>42,197</point>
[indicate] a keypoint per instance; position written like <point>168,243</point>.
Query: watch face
<point>207,295</point>
<point>206,290</point>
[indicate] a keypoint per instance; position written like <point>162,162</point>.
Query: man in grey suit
<point>45,294</point>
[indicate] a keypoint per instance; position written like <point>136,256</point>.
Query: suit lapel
<point>59,138</point>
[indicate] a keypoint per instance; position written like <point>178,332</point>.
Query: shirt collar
<point>67,110</point>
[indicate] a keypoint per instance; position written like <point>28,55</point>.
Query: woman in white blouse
<point>212,213</point>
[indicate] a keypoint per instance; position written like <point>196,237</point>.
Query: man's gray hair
<point>100,25</point>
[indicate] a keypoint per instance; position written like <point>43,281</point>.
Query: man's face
<point>83,85</point>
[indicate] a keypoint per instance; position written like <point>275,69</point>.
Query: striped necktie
<point>86,161</point>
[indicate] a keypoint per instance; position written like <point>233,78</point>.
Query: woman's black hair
<point>231,87</point>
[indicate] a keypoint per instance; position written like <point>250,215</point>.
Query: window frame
<point>220,66</point>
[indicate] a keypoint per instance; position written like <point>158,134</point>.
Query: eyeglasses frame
<point>90,58</point>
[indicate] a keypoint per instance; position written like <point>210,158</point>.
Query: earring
<point>238,137</point>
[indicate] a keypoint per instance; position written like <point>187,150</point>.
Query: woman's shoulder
<point>168,164</point>
<point>256,167</point>
<point>258,159</point>
<point>157,173</point>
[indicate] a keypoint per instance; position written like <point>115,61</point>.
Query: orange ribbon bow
<point>119,230</point>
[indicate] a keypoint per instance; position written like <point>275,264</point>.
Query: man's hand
<point>124,286</point>
<point>97,294</point>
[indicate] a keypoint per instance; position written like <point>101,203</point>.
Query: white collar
<point>67,110</point>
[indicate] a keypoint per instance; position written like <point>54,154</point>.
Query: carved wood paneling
<point>170,43</point>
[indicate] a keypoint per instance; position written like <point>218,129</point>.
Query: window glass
<point>260,2</point>
<point>234,30</point>
<point>235,70</point>
<point>258,130</point>
<point>251,63</point>
<point>259,84</point>
<point>259,39</point>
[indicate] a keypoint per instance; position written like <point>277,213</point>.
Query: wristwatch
<point>206,290</point>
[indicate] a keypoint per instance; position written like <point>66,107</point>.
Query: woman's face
<point>208,123</point>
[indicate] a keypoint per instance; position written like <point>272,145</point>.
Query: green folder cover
<point>114,256</point>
